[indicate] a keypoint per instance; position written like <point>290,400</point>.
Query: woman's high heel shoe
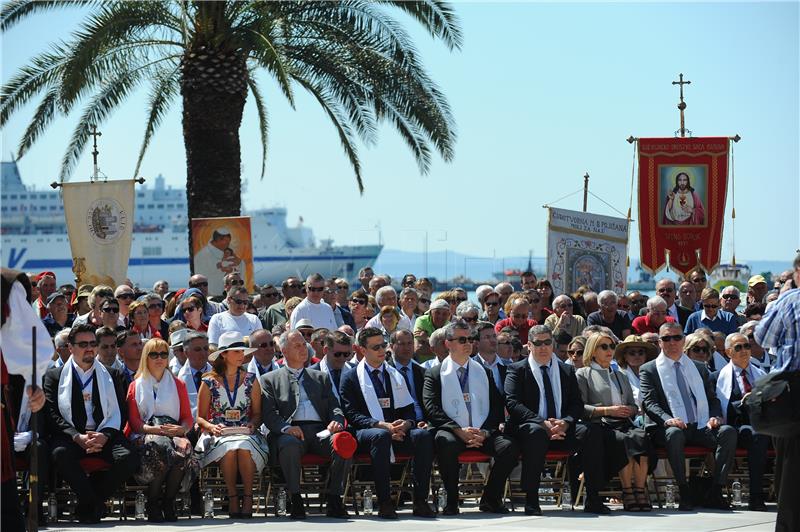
<point>629,500</point>
<point>643,500</point>
<point>249,513</point>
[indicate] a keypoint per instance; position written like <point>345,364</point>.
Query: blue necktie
<point>688,401</point>
<point>376,382</point>
<point>464,381</point>
<point>404,373</point>
<point>335,375</point>
<point>548,392</point>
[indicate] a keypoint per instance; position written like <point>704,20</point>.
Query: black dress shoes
<point>335,508</point>
<point>596,506</point>
<point>492,506</point>
<point>716,500</point>
<point>422,509</point>
<point>756,504</point>
<point>386,510</point>
<point>685,504</point>
<point>451,509</point>
<point>298,508</point>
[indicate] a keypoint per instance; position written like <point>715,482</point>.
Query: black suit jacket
<point>355,406</point>
<point>654,400</point>
<point>737,414</point>
<point>432,399</point>
<point>419,379</point>
<point>683,314</point>
<point>55,422</point>
<point>522,396</point>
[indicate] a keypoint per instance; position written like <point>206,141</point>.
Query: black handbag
<point>774,404</point>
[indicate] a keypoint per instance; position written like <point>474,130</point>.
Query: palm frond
<point>16,10</point>
<point>436,16</point>
<point>44,114</point>
<point>164,89</point>
<point>30,80</point>
<point>263,121</point>
<point>267,56</point>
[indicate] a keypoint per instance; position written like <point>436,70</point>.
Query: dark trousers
<point>787,479</point>
<point>123,461</point>
<point>11,517</point>
<point>291,450</point>
<point>43,473</point>
<point>722,440</point>
<point>504,450</point>
<point>757,446</point>
<point>418,443</point>
<point>535,442</point>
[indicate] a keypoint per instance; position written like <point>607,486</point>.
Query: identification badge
<point>466,398</point>
<point>232,415</point>
<point>385,402</point>
<point>87,397</point>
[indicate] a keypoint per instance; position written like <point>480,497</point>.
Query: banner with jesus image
<point>682,188</point>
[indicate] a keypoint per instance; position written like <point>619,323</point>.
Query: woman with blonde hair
<point>617,446</point>
<point>159,416</point>
<point>228,413</point>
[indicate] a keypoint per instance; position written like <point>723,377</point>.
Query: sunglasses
<point>578,352</point>
<point>316,288</point>
<point>462,340</point>
<point>492,303</point>
<point>342,354</point>
<point>198,285</point>
<point>273,294</point>
<point>539,343</point>
<point>108,346</point>
<point>155,306</point>
<point>111,310</point>
<point>635,352</point>
<point>307,334</point>
<point>565,305</point>
<point>378,347</point>
<point>428,301</point>
<point>672,338</point>
<point>240,301</point>
<point>699,280</point>
<point>125,296</point>
<point>84,345</point>
<point>359,301</point>
<point>730,296</point>
<point>470,320</point>
<point>710,306</point>
<point>739,347</point>
<point>605,347</point>
<point>158,354</point>
<point>198,349</point>
<point>699,350</point>
<point>190,309</point>
<point>294,286</point>
<point>240,282</point>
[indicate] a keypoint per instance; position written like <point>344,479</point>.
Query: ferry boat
<point>730,275</point>
<point>34,238</point>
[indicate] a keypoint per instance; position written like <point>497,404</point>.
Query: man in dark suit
<point>402,344</point>
<point>487,354</point>
<point>299,404</point>
<point>731,383</point>
<point>544,405</point>
<point>338,350</point>
<point>129,347</point>
<point>466,409</point>
<point>666,289</point>
<point>380,409</point>
<point>86,412</point>
<point>682,407</point>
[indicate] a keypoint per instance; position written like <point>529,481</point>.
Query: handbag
<point>774,404</point>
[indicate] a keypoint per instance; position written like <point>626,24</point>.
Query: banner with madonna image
<point>585,249</point>
<point>682,188</point>
<point>222,246</point>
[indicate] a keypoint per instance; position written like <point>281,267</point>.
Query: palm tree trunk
<point>214,90</point>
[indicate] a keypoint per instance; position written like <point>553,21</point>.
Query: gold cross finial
<point>682,104</point>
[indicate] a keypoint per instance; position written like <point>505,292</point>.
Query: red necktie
<point>746,382</point>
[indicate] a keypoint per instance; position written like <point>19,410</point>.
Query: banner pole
<point>585,191</point>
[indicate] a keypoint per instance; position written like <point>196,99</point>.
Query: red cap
<point>42,274</point>
<point>344,444</point>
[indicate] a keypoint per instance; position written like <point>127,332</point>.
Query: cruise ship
<point>34,238</point>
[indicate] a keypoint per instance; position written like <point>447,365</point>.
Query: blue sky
<point>541,93</point>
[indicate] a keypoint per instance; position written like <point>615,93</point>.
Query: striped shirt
<point>780,329</point>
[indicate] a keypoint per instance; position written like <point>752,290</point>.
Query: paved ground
<point>470,519</point>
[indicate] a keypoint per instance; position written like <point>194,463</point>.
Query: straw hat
<point>634,341</point>
<point>231,341</point>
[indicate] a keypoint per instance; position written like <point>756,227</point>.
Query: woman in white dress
<point>229,419</point>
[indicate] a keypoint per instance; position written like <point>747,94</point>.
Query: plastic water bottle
<point>669,495</point>
<point>442,498</point>
<point>280,505</point>
<point>208,505</point>
<point>367,499</point>
<point>546,491</point>
<point>186,505</point>
<point>736,488</point>
<point>566,498</point>
<point>52,508</point>
<point>139,507</point>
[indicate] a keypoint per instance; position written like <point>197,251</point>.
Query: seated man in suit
<point>733,381</point>
<point>86,411</point>
<point>679,399</point>
<point>466,409</point>
<point>487,354</point>
<point>338,350</point>
<point>299,404</point>
<point>544,405</point>
<point>402,344</point>
<point>380,409</point>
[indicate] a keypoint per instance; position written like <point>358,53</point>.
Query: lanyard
<point>83,384</point>
<point>231,396</point>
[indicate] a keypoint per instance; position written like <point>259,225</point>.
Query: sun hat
<point>231,341</point>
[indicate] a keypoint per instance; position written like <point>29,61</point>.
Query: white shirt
<point>537,376</point>
<point>305,409</point>
<point>223,322</point>
<point>320,314</point>
<point>494,367</point>
<point>673,311</point>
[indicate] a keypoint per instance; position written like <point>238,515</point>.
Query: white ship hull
<point>156,256</point>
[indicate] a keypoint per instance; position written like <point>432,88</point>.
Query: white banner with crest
<point>585,249</point>
<point>100,225</point>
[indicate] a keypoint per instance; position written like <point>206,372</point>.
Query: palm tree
<point>352,56</point>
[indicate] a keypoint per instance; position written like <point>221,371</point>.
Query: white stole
<point>725,385</point>
<point>666,372</point>
<point>555,382</point>
<point>187,376</point>
<point>633,379</point>
<point>252,367</point>
<point>112,418</point>
<point>169,403</point>
<point>323,366</point>
<point>16,336</point>
<point>453,402</point>
<point>399,389</point>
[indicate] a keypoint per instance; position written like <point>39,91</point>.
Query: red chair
<point>362,460</point>
<point>93,464</point>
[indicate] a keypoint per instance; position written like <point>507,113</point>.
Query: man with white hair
<point>387,297</point>
<point>563,319</point>
<point>759,357</point>
<point>609,315</point>
<point>504,290</point>
<point>731,297</point>
<point>436,341</point>
<point>666,289</point>
<point>161,287</point>
<point>655,317</point>
<point>61,342</point>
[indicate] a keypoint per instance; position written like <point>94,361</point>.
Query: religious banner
<point>682,187</point>
<point>585,249</point>
<point>99,219</point>
<point>222,246</point>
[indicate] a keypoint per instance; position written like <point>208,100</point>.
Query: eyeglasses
<point>710,306</point>
<point>84,345</point>
<point>108,346</point>
<point>198,285</point>
<point>201,348</point>
<point>492,303</point>
<point>565,305</point>
<point>539,343</point>
<point>315,288</point>
<point>697,349</point>
<point>240,301</point>
<point>111,310</point>
<point>237,282</point>
<point>672,338</point>
<point>462,339</point>
<point>470,320</point>
<point>730,296</point>
<point>378,347</point>
<point>273,294</point>
<point>358,301</point>
<point>605,347</point>
<point>739,347</point>
<point>342,354</point>
<point>262,345</point>
<point>330,290</point>
<point>635,352</point>
<point>665,290</point>
<point>152,355</point>
<point>190,309</point>
<point>578,352</point>
<point>625,307</point>
<point>342,287</point>
<point>125,296</point>
<point>699,280</point>
<point>155,306</point>
<point>307,334</point>
<point>427,301</point>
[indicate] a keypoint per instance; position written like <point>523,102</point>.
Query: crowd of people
<point>161,384</point>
